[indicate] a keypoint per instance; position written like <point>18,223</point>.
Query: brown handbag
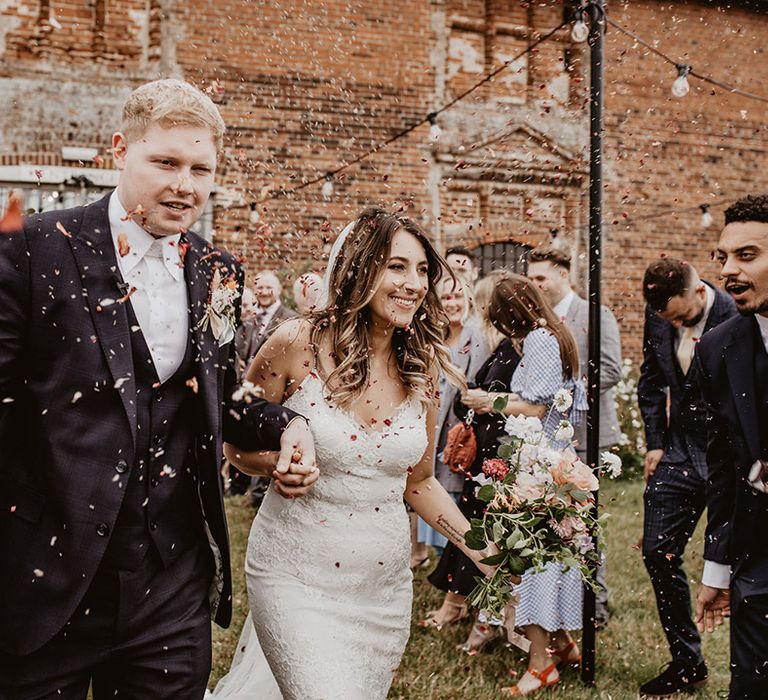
<point>460,446</point>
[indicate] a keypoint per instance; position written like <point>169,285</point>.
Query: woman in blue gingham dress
<point>551,600</point>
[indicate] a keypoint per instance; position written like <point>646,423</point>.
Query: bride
<point>328,574</point>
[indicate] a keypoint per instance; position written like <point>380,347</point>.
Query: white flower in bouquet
<point>563,400</point>
<point>563,432</point>
<point>482,479</point>
<point>524,427</point>
<point>549,458</point>
<point>611,463</point>
<point>527,456</point>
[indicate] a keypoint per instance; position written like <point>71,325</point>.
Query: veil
<point>325,293</point>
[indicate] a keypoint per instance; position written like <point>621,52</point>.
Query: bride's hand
<point>296,471</point>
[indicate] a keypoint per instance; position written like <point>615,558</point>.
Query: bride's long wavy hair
<point>344,323</point>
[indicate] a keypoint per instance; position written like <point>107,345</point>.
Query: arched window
<point>502,256</point>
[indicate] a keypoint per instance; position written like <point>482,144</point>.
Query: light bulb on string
<point>706,218</point>
<point>580,30</point>
<point>254,217</point>
<point>327,189</point>
<point>680,88</point>
<point>435,132</point>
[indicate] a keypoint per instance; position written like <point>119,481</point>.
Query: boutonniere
<point>220,312</point>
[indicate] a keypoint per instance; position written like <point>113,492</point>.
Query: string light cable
<point>706,217</point>
<point>430,118</point>
<point>680,86</point>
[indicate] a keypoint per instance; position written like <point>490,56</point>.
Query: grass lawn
<point>629,651</point>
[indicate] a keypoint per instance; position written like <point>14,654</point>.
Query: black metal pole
<point>595,272</point>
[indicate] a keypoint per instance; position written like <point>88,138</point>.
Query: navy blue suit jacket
<point>724,372</point>
<point>68,414</point>
<point>679,431</point>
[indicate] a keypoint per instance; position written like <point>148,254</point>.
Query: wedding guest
<point>270,312</point>
<point>681,308</point>
<point>731,368</point>
<point>455,572</point>
<point>116,378</point>
<point>462,261</point>
<point>468,352</point>
<point>550,269</point>
<point>306,291</point>
<point>551,600</point>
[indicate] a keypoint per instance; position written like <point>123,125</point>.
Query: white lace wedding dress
<point>328,574</point>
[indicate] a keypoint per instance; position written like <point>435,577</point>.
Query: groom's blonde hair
<point>170,102</point>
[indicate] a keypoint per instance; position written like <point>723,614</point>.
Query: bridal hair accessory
<point>220,312</point>
<point>325,293</point>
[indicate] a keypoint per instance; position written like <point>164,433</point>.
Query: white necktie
<point>685,349</point>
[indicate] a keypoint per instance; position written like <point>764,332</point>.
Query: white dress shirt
<point>562,306</point>
<point>698,330</point>
<point>153,266</point>
<point>715,574</point>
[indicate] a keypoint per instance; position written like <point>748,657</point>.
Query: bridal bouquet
<point>540,508</point>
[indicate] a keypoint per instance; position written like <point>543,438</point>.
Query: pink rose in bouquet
<point>577,473</point>
<point>495,468</point>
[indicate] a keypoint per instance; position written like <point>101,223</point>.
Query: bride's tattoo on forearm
<point>453,534</point>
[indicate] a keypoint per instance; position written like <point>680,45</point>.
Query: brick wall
<point>305,85</point>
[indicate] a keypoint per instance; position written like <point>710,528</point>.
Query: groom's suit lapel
<point>94,254</point>
<point>198,273</point>
<point>741,375</point>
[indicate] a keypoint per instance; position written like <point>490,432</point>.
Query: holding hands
<point>293,468</point>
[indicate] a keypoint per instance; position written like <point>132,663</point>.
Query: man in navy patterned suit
<point>681,309</point>
<point>116,383</point>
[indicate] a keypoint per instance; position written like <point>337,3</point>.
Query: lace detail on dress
<point>328,574</point>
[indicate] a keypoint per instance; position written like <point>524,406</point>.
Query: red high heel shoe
<point>546,679</point>
<point>569,655</point>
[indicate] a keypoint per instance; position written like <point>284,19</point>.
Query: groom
<point>116,383</point>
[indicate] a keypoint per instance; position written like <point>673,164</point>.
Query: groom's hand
<point>296,471</point>
<point>713,605</point>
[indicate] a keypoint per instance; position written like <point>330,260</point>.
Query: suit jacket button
<point>154,481</point>
<point>102,529</point>
<point>121,466</point>
<point>152,525</point>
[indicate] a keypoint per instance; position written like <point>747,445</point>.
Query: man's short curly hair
<point>664,279</point>
<point>754,207</point>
